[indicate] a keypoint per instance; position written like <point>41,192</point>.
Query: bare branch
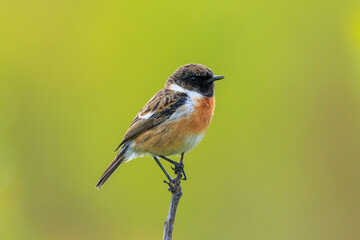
<point>176,193</point>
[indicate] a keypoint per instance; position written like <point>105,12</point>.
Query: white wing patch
<point>146,116</point>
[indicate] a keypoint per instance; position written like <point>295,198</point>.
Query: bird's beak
<point>215,78</point>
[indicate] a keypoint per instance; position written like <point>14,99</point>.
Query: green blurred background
<point>281,159</point>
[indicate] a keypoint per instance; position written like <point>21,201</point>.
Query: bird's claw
<point>180,168</point>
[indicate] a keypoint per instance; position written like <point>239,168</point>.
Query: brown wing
<point>159,108</point>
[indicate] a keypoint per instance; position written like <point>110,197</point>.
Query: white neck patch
<point>192,94</point>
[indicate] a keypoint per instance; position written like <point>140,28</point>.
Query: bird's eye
<point>193,79</point>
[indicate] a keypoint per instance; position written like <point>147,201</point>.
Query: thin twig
<point>176,193</point>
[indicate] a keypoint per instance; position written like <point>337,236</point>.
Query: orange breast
<point>171,138</point>
<point>200,119</point>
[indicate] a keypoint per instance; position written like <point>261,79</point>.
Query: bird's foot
<point>179,167</point>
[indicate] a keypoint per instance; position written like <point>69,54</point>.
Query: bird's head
<point>194,77</point>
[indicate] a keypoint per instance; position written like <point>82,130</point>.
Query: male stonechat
<point>173,122</point>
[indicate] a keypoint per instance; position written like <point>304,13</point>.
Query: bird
<point>172,122</point>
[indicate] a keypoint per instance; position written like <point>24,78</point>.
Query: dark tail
<point>119,159</point>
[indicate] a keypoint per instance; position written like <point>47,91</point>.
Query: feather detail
<point>119,159</point>
<point>160,108</point>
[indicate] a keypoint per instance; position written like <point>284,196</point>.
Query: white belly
<point>191,142</point>
<point>189,145</point>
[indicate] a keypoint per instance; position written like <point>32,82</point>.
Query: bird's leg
<point>178,166</point>
<point>169,160</point>
<point>182,164</point>
<point>163,169</point>
<point>182,158</point>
